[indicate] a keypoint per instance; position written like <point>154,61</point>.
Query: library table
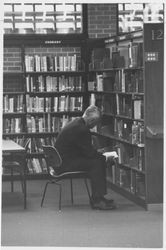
<point>16,153</point>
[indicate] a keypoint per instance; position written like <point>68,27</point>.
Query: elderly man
<point>74,144</point>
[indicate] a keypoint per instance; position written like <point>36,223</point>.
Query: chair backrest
<point>52,157</point>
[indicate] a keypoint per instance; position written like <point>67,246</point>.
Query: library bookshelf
<point>44,87</point>
<point>124,73</point>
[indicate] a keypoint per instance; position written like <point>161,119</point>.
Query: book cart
<point>126,82</point>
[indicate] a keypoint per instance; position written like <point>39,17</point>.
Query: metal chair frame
<point>53,161</point>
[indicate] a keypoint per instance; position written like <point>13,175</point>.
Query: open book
<point>110,155</point>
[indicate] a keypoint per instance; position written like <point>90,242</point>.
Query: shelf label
<point>122,38</point>
<point>111,40</point>
<point>151,56</point>
<point>53,42</point>
<point>137,34</point>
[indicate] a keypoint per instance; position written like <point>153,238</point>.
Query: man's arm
<point>84,144</point>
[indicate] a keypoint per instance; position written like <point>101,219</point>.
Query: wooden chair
<point>54,161</point>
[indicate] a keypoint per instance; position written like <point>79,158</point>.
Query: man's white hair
<point>92,111</point>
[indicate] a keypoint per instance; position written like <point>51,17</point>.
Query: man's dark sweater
<point>75,141</point>
<point>74,144</point>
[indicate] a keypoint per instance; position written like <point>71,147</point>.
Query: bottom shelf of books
<point>126,175</point>
<point>36,164</point>
<point>128,182</point>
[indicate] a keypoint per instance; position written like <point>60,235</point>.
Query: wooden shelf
<point>13,93</point>
<point>132,168</point>
<point>59,113</point>
<point>14,114</point>
<point>123,117</point>
<point>55,73</point>
<point>118,139</point>
<point>56,93</point>
<point>113,69</point>
<point>13,134</point>
<point>115,92</point>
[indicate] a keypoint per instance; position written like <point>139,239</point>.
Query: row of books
<point>131,156</point>
<point>109,104</point>
<point>128,56</point>
<point>100,58</point>
<point>46,123</point>
<point>122,105</point>
<point>13,104</point>
<point>68,103</point>
<point>55,63</point>
<point>20,140</point>
<point>96,99</point>
<point>36,165</point>
<point>54,83</point>
<point>129,180</point>
<point>138,131</point>
<point>36,144</point>
<point>128,81</point>
<point>12,125</point>
<point>130,107</point>
<point>98,84</point>
<point>121,80</point>
<point>54,104</point>
<point>120,129</point>
<point>117,56</point>
<point>138,108</point>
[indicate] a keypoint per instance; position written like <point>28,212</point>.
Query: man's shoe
<point>103,205</point>
<point>108,201</point>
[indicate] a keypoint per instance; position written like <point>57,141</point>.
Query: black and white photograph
<point>82,124</point>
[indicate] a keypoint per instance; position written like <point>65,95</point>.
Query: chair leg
<point>71,185</point>
<point>22,184</point>
<point>44,193</point>
<point>60,195</point>
<point>87,188</point>
<point>12,181</point>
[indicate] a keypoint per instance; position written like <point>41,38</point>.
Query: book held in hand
<point>110,154</point>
